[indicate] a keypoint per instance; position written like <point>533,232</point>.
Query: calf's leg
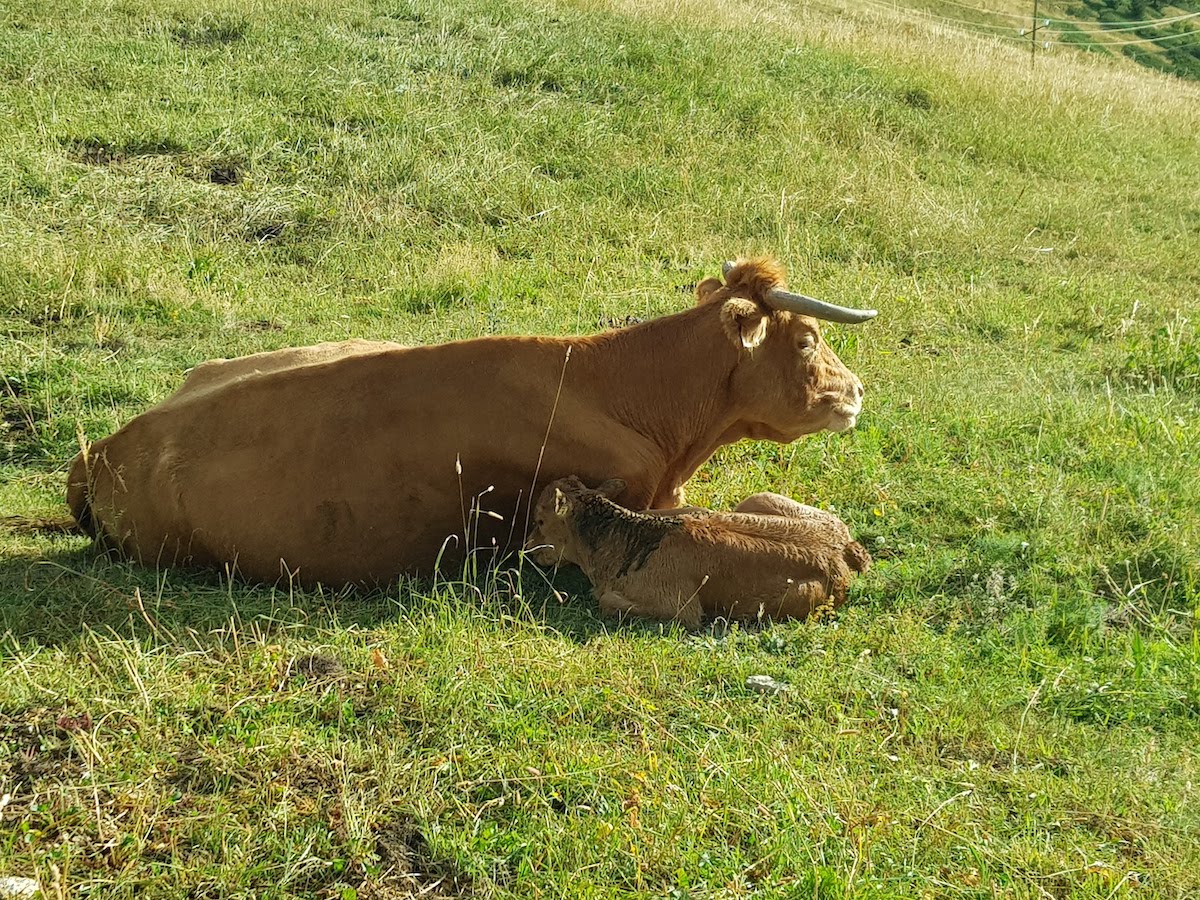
<point>684,610</point>
<point>770,504</point>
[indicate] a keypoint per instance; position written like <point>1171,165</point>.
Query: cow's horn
<point>778,298</point>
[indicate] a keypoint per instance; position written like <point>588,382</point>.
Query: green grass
<point>1008,706</point>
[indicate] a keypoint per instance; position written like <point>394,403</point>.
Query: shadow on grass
<point>53,596</point>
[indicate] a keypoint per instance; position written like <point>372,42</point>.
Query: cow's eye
<point>808,342</point>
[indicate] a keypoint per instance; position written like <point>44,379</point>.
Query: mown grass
<point>1007,707</point>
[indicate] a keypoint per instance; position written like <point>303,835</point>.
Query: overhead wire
<point>931,17</point>
<point>1116,25</point>
<point>994,32</point>
<point>1138,22</point>
<point>1124,27</point>
<point>1131,23</point>
<point>1150,40</point>
<point>989,12</point>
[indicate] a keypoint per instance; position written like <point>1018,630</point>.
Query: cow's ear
<point>745,322</point>
<point>706,288</point>
<point>562,504</point>
<point>612,488</point>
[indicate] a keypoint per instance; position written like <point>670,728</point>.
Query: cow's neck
<point>669,380</point>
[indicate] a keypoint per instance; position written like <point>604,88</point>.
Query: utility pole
<point>1033,34</point>
<point>1033,38</point>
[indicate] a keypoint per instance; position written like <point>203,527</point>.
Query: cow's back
<point>216,374</point>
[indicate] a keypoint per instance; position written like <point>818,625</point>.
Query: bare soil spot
<point>268,232</point>
<point>917,98</point>
<point>131,154</point>
<point>35,746</point>
<point>210,31</point>
<point>98,151</point>
<point>227,172</point>
<point>262,325</point>
<point>313,668</point>
<point>409,869</point>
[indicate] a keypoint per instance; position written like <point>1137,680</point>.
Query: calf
<point>785,564</point>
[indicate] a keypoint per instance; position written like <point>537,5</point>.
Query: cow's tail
<point>857,557</point>
<point>79,521</point>
<point>79,489</point>
<point>52,525</point>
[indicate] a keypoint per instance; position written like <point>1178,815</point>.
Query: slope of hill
<point>1009,706</point>
<point>1160,36</point>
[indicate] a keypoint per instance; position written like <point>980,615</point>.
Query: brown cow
<point>739,566</point>
<point>365,462</point>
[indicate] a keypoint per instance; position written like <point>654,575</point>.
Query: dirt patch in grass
<point>268,231</point>
<point>131,155</point>
<point>36,750</point>
<point>312,668</point>
<point>917,98</point>
<point>262,325</point>
<point>210,31</point>
<point>98,151</point>
<point>408,868</point>
<point>226,172</point>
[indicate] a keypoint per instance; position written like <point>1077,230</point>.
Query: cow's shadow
<point>65,588</point>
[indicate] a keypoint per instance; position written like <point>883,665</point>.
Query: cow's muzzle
<point>843,415</point>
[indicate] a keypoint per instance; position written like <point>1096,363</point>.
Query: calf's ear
<point>745,322</point>
<point>562,504</point>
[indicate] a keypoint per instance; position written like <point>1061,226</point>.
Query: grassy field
<point>1009,705</point>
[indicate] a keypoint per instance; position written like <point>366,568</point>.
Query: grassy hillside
<point>1009,706</point>
<point>1164,37</point>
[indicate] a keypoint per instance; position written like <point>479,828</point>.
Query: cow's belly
<point>284,484</point>
<point>364,512</point>
<point>404,519</point>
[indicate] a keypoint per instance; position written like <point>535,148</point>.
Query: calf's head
<point>553,539</point>
<point>787,381</point>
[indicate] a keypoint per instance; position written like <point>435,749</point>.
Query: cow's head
<point>787,382</point>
